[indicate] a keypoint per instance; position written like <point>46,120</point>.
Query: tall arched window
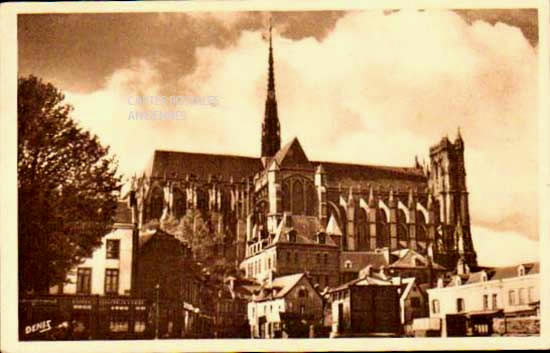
<point>297,197</point>
<point>402,232</point>
<point>420,226</point>
<point>382,229</point>
<point>180,203</point>
<point>202,200</point>
<point>286,196</point>
<point>311,197</point>
<point>157,203</point>
<point>362,229</point>
<point>226,202</point>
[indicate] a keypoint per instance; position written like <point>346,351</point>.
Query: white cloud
<point>378,89</point>
<point>503,248</point>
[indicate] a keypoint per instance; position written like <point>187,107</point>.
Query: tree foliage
<point>200,231</point>
<point>67,187</point>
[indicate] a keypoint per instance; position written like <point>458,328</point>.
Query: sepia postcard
<point>274,176</point>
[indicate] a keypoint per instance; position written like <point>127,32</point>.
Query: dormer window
<point>322,238</point>
<point>483,277</point>
<point>292,236</point>
<point>521,271</point>
<point>347,264</point>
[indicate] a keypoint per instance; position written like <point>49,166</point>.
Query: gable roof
<point>332,227</point>
<point>281,286</point>
<point>306,227</point>
<point>409,257</point>
<point>202,165</point>
<point>361,259</point>
<point>285,284</point>
<point>372,280</point>
<point>292,155</point>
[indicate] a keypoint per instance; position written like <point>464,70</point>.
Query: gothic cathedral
<point>288,214</point>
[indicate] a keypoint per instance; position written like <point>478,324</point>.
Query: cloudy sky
<point>374,87</point>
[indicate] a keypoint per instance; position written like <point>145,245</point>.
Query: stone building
<point>263,201</point>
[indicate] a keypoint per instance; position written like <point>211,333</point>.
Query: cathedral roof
<point>346,175</point>
<point>292,155</point>
<point>178,164</point>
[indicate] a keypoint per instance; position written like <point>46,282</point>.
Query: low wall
<point>517,326</point>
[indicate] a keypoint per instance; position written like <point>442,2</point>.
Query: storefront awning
<point>484,313</point>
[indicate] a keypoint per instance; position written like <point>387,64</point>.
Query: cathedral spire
<point>271,131</point>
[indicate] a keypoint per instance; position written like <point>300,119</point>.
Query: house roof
<point>503,272</point>
<point>146,236</point>
<point>179,164</point>
<point>361,259</point>
<point>123,213</point>
<point>409,258</point>
<point>372,280</point>
<point>279,287</point>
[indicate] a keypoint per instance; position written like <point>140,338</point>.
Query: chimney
<point>366,272</point>
<point>430,270</point>
<point>386,252</point>
<point>384,271</point>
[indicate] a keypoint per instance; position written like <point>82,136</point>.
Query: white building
<point>506,291</point>
<point>109,270</point>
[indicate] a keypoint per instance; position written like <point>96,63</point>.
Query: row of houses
<point>496,301</point>
<point>502,301</point>
<point>146,284</point>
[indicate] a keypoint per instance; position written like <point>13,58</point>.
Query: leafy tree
<point>67,187</point>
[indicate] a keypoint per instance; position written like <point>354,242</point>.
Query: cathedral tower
<point>448,185</point>
<point>271,131</point>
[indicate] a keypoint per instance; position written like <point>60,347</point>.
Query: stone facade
<point>516,326</point>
